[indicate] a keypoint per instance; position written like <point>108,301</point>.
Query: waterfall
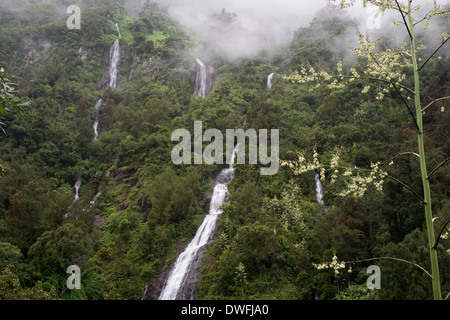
<point>92,202</point>
<point>77,189</point>
<point>77,186</point>
<point>319,189</point>
<point>269,81</point>
<point>113,73</point>
<point>113,70</point>
<point>114,60</point>
<point>77,198</point>
<point>118,30</point>
<point>184,262</point>
<point>97,106</point>
<point>200,79</point>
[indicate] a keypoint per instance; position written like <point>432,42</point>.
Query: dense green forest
<point>136,208</point>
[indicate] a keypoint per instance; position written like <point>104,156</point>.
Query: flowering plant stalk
<point>389,67</point>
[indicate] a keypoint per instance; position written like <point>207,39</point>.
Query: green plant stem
<point>423,168</point>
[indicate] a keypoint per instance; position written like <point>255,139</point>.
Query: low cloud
<point>253,25</point>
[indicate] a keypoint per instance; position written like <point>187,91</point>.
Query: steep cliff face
<point>36,51</point>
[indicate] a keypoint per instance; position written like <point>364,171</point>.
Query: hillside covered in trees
<point>119,208</point>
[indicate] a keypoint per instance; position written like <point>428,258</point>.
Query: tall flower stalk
<point>389,67</point>
<point>423,167</point>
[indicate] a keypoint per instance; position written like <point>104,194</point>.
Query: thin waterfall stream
<point>177,277</point>
<point>77,189</point>
<point>97,106</point>
<point>114,60</point>
<point>200,79</point>
<point>113,73</point>
<point>76,186</point>
<point>319,190</point>
<point>269,81</point>
<point>118,29</point>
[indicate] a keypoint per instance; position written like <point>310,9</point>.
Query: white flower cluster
<point>445,236</point>
<point>334,165</point>
<point>358,184</point>
<point>444,36</point>
<point>302,165</point>
<point>386,66</point>
<point>334,264</point>
<point>435,12</point>
<point>311,75</point>
<point>382,5</point>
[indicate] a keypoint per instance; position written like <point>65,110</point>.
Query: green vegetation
<point>272,231</point>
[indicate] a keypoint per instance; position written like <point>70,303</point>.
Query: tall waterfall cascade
<point>269,81</point>
<point>114,60</point>
<point>97,106</point>
<point>113,75</point>
<point>200,79</point>
<point>113,72</point>
<point>319,190</point>
<point>177,277</point>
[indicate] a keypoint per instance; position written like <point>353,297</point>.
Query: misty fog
<point>236,28</point>
<point>265,24</point>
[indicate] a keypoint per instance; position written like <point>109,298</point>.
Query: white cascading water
<point>77,189</point>
<point>319,189</point>
<point>77,186</point>
<point>200,80</point>
<point>97,106</point>
<point>92,202</point>
<point>113,70</point>
<point>77,198</point>
<point>184,262</point>
<point>114,60</point>
<point>269,81</point>
<point>118,30</point>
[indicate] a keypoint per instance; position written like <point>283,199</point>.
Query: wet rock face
<point>153,289</point>
<point>190,288</point>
